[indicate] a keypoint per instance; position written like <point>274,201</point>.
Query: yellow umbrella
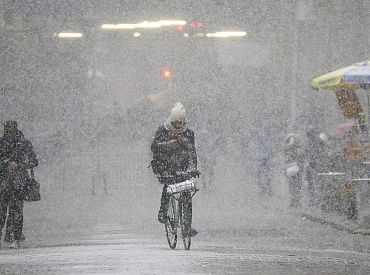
<point>352,77</point>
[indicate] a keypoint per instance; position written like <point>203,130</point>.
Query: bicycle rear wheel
<point>171,224</point>
<point>186,239</point>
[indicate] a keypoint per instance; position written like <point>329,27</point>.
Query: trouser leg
<point>313,185</point>
<point>352,199</point>
<point>187,210</point>
<point>295,186</point>
<point>352,210</point>
<point>16,216</point>
<point>310,185</point>
<point>3,211</point>
<point>8,228</point>
<point>164,204</point>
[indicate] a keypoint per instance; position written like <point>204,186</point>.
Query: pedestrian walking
<point>317,159</point>
<point>16,156</point>
<point>293,156</point>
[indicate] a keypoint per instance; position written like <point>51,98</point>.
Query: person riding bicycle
<point>174,151</point>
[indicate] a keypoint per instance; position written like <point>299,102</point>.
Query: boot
<point>192,232</point>
<point>8,237</point>
<point>15,245</point>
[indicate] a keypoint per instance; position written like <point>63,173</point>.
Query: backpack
<point>158,167</point>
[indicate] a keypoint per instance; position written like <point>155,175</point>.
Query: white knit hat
<point>178,113</point>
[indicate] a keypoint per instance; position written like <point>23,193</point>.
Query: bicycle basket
<point>188,185</point>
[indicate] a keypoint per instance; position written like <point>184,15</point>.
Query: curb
<point>356,231</point>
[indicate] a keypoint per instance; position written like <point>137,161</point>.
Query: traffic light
<point>196,25</point>
<point>167,73</point>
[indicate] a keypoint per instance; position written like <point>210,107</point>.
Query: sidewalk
<point>336,221</point>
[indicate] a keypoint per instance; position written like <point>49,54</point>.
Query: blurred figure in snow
<point>16,156</point>
<point>293,156</point>
<point>317,158</point>
<point>264,158</point>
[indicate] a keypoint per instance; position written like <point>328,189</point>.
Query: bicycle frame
<point>175,218</point>
<point>175,201</point>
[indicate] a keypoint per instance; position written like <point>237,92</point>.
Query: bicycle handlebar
<point>193,174</point>
<point>188,174</point>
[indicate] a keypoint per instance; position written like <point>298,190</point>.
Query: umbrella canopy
<point>353,77</point>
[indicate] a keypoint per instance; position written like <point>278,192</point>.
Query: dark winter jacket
<point>293,151</point>
<point>174,159</point>
<point>21,152</point>
<point>317,154</point>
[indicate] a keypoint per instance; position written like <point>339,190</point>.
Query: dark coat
<point>174,159</point>
<point>293,152</point>
<point>21,152</point>
<point>317,154</point>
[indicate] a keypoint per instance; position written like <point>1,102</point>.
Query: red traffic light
<point>196,25</point>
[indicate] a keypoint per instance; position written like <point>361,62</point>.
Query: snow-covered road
<point>110,249</point>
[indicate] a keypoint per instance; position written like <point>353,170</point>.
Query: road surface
<point>113,249</point>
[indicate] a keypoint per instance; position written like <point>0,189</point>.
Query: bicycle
<point>182,182</point>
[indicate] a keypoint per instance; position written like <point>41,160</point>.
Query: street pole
<point>368,107</point>
<point>293,94</point>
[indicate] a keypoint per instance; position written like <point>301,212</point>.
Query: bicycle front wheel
<point>185,238</point>
<point>171,224</point>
